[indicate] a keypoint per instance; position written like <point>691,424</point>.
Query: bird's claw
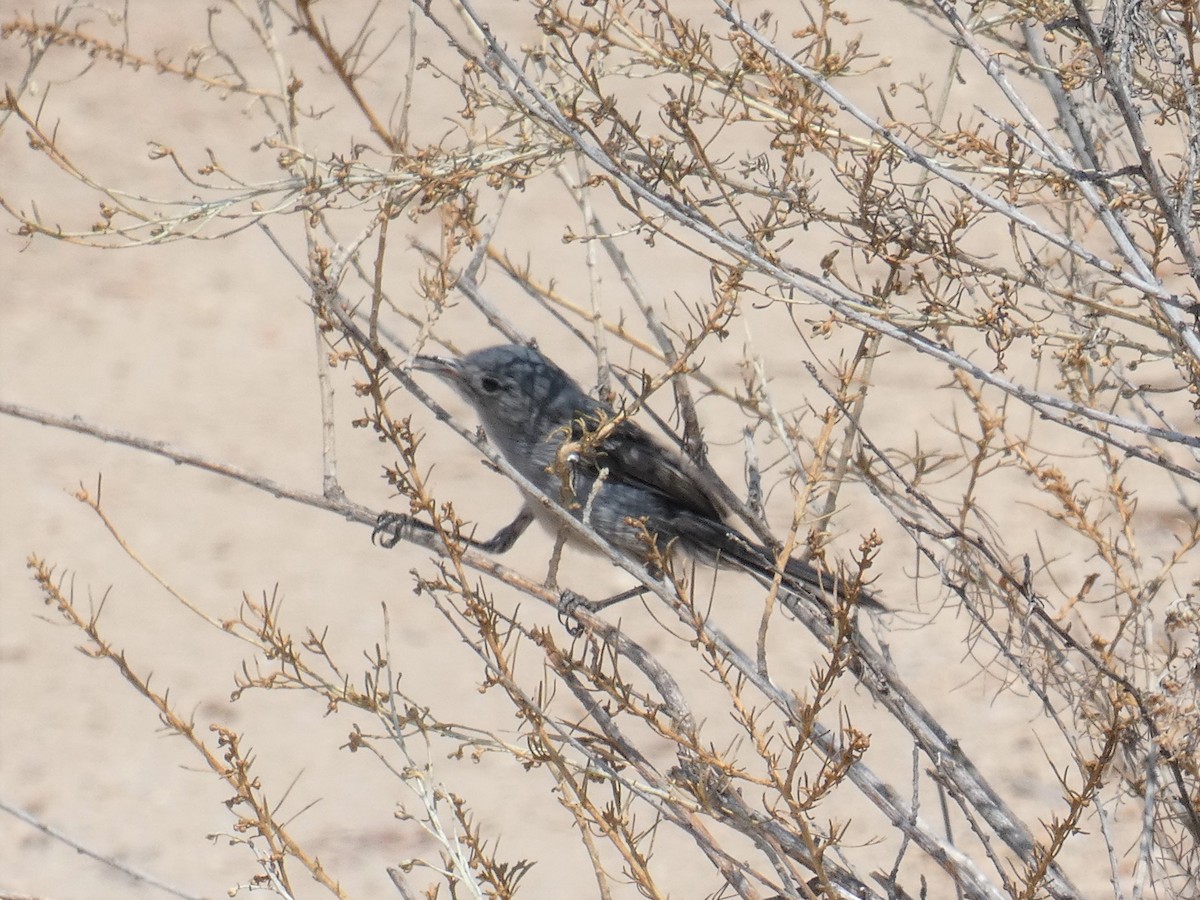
<point>390,529</point>
<point>568,603</point>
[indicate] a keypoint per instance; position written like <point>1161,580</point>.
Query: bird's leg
<point>560,541</point>
<point>394,527</point>
<point>502,540</point>
<point>569,602</point>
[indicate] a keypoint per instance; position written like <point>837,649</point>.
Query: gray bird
<point>624,485</point>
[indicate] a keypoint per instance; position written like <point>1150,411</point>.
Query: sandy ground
<point>209,346</point>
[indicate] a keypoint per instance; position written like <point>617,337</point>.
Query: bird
<point>603,470</point>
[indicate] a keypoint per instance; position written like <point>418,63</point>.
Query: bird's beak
<point>442,366</point>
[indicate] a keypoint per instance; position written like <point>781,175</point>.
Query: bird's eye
<point>488,384</point>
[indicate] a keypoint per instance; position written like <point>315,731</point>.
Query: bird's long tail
<point>720,545</point>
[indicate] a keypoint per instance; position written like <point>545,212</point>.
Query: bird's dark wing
<point>631,456</point>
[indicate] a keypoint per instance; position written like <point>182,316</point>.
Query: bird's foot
<point>390,529</point>
<point>569,603</point>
